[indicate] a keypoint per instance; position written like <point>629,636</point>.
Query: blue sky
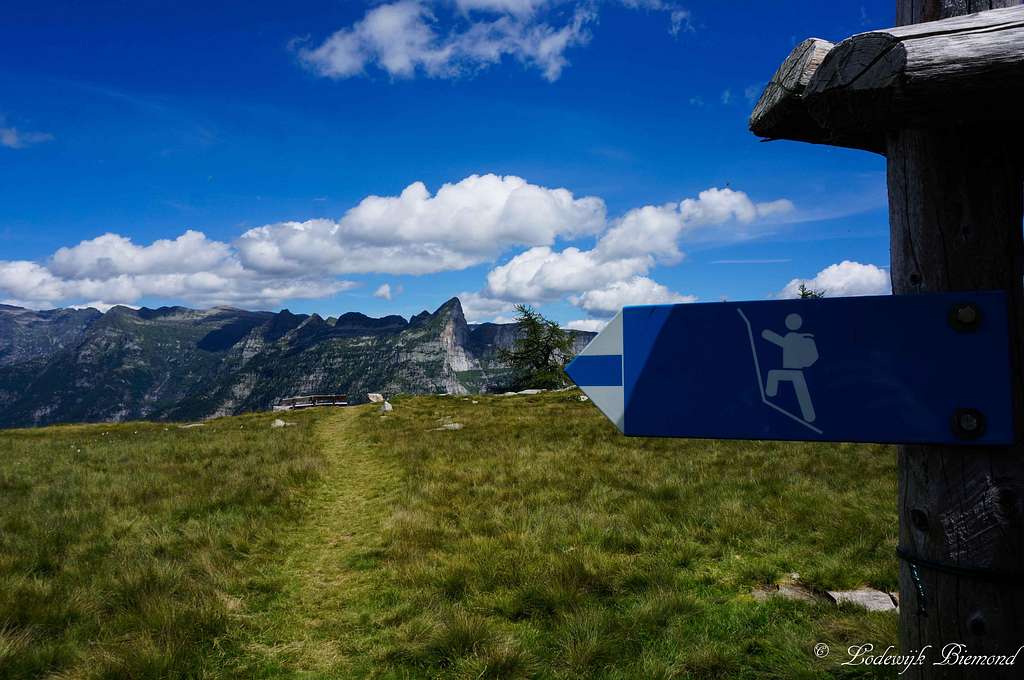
<point>596,153</point>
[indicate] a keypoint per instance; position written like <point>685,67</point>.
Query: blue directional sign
<point>899,369</point>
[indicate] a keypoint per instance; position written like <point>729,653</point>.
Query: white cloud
<point>13,138</point>
<point>590,325</point>
<point>111,269</point>
<point>25,280</point>
<point>632,246</point>
<point>402,38</point>
<point>639,290</point>
<point>644,232</point>
<point>726,96</point>
<point>480,308</point>
<point>109,255</point>
<point>406,37</point>
<point>844,280</point>
<point>383,291</point>
<point>542,274</point>
<point>464,224</point>
<point>716,206</point>
<point>680,20</point>
<point>517,7</point>
<point>100,305</point>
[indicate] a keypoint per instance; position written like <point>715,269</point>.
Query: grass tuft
<point>125,549</point>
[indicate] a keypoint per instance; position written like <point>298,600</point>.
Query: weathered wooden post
<point>943,101</point>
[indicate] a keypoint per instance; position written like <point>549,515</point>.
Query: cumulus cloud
<point>634,244</point>
<point>467,223</point>
<point>717,206</point>
<point>845,279</point>
<point>639,290</point>
<point>463,224</point>
<point>403,38</point>
<point>111,269</point>
<point>542,274</point>
<point>110,255</point>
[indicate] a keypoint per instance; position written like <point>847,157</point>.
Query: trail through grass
<point>537,542</point>
<point>319,622</point>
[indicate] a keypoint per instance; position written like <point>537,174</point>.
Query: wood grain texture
<point>968,69</point>
<point>956,207</point>
<point>780,113</point>
<point>918,11</point>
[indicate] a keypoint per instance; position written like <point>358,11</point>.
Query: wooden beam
<point>955,212</point>
<point>967,69</point>
<point>918,11</point>
<point>780,113</point>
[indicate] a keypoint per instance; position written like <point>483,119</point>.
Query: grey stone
<point>789,591</point>
<point>869,598</point>
<point>375,397</point>
<point>792,591</point>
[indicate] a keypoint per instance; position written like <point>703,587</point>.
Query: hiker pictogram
<point>799,351</point>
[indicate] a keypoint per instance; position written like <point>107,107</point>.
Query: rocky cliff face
<point>178,363</point>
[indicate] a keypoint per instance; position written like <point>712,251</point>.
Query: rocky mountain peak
<point>452,307</point>
<point>177,363</point>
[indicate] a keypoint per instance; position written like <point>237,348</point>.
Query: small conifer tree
<point>540,353</point>
<point>809,293</point>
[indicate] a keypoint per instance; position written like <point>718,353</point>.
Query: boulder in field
<point>375,398</point>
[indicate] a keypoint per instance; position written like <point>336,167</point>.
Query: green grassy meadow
<point>535,541</point>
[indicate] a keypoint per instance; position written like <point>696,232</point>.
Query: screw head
<point>968,423</point>
<point>966,314</point>
<point>964,317</point>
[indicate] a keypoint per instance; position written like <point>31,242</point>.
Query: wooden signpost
<point>941,97</point>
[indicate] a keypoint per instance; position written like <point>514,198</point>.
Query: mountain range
<point>175,363</point>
